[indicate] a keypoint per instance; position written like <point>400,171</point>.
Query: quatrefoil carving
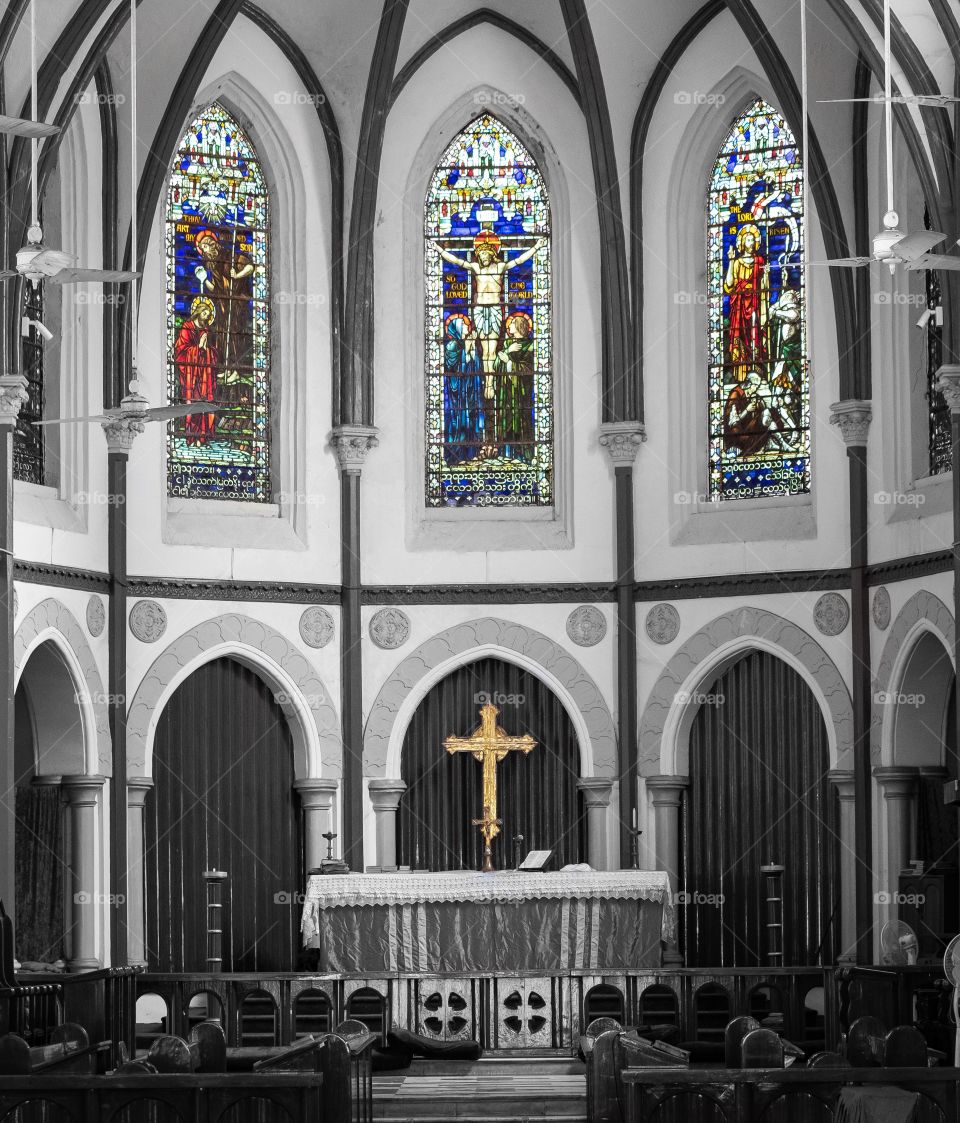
<point>454,1022</point>
<point>515,1001</point>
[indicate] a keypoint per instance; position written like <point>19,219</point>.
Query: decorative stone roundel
<point>316,627</point>
<point>831,614</point>
<point>148,621</point>
<point>390,628</point>
<point>663,623</point>
<point>881,608</point>
<point>586,625</point>
<point>96,615</point>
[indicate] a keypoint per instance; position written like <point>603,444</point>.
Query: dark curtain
<point>223,799</point>
<point>39,872</point>
<point>936,820</point>
<point>536,793</point>
<point>759,793</point>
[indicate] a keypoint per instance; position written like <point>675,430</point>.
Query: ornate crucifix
<point>489,744</point>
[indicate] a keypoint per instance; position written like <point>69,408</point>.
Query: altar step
<point>492,1090</point>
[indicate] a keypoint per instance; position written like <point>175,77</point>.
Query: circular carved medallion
<point>586,625</point>
<point>663,623</point>
<point>96,615</point>
<point>316,627</point>
<point>390,628</point>
<point>148,621</point>
<point>881,608</point>
<point>831,614</point>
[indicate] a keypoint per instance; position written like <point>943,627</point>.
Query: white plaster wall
<point>511,71</point>
<point>286,107</point>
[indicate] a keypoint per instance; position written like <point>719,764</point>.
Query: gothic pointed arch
<point>488,318</point>
<point>759,397</point>
<point>217,251</point>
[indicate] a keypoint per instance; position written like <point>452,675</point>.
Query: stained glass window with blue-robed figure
<point>759,396</point>
<point>489,423</point>
<point>218,317</point>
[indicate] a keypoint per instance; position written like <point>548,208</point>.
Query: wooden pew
<point>68,1050</point>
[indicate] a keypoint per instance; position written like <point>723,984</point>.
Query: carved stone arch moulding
<point>923,612</point>
<point>557,668</point>
<point>672,705</point>
<point>51,619</point>
<point>299,690</point>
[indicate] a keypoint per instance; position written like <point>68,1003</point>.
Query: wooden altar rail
<point>895,995</point>
<point>751,1095</point>
<point>168,1098</point>
<point>698,1002</point>
<point>103,1002</point>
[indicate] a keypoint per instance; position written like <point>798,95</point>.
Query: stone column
<point>843,781</point>
<point>83,795</point>
<point>666,792</point>
<point>316,798</point>
<point>899,787</point>
<point>385,797</point>
<point>137,788</point>
<point>596,799</point>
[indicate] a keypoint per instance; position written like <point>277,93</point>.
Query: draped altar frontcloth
<point>483,923</point>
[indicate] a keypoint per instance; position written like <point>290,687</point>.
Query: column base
<point>89,964</point>
<point>672,958</point>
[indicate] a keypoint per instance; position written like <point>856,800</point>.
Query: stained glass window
<point>28,451</point>
<point>489,423</point>
<point>940,433</point>
<point>759,394</point>
<point>218,317</point>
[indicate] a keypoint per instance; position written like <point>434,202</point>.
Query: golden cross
<point>489,744</point>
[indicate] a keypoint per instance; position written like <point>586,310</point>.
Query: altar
<point>488,923</point>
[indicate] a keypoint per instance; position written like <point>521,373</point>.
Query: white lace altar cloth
<point>388,889</point>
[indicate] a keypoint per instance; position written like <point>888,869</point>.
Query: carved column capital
<point>316,793</point>
<point>597,790</point>
<point>385,793</point>
<point>948,383</point>
<point>13,393</point>
<point>351,443</point>
<point>852,417</point>
<point>622,441</point>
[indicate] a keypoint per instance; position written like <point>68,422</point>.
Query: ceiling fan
<point>891,246</point>
<point>35,261</point>
<point>134,408</point>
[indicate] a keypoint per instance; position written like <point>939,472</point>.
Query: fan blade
<point>34,130</point>
<point>846,262</point>
<point>933,261</point>
<point>100,417</point>
<point>167,413</point>
<point>936,101</point>
<point>913,245</point>
<point>106,276</point>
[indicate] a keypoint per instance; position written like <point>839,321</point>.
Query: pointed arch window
<point>759,389</point>
<point>489,362</point>
<point>218,316</point>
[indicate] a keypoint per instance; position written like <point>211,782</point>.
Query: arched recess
<point>923,614</point>
<point>672,705</point>
<point>283,176</point>
<point>475,639</point>
<point>537,793</point>
<point>300,692</point>
<point>687,362</point>
<point>52,624</point>
<point>913,748</point>
<point>432,528</point>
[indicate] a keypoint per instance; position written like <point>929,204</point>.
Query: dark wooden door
<point>759,793</point>
<point>223,799</point>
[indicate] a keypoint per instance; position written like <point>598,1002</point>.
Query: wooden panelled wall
<point>537,793</point>
<point>759,793</point>
<point>223,799</point>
